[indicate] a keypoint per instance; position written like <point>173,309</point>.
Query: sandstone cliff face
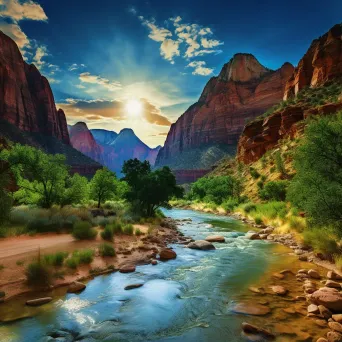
<point>26,99</point>
<point>243,90</point>
<point>322,62</point>
<point>82,140</point>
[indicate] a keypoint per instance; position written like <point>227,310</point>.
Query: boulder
<point>167,254</point>
<point>334,336</point>
<point>337,318</point>
<point>39,301</point>
<point>215,238</point>
<point>314,274</point>
<point>335,326</point>
<point>250,329</point>
<point>329,297</point>
<point>252,236</point>
<point>326,313</point>
<point>251,309</point>
<point>332,283</point>
<point>127,269</point>
<point>279,290</point>
<point>133,286</point>
<point>333,276</point>
<point>313,309</point>
<point>75,287</point>
<point>201,244</point>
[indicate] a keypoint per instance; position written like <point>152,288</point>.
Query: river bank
<point>131,250</point>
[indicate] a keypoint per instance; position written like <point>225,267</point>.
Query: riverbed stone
<point>314,274</point>
<point>127,269</point>
<point>278,276</point>
<point>252,236</point>
<point>329,297</point>
<point>75,287</point>
<point>251,309</point>
<point>303,258</point>
<point>334,336</point>
<point>253,330</point>
<point>335,326</point>
<point>325,312</point>
<point>337,318</point>
<point>332,283</point>
<point>215,238</point>
<point>167,254</point>
<point>322,339</point>
<point>39,301</point>
<point>313,309</point>
<point>256,289</point>
<point>133,286</point>
<point>201,245</point>
<point>333,275</point>
<point>279,290</point>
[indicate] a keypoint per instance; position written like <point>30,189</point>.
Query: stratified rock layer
<point>243,90</point>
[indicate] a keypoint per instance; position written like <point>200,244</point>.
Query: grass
<point>338,261</point>
<point>138,232</point>
<point>1,267</point>
<point>128,229</point>
<point>321,240</point>
<point>20,263</point>
<point>85,256</point>
<point>106,250</point>
<point>56,259</point>
<point>297,223</point>
<point>107,234</point>
<point>83,231</point>
<point>258,220</point>
<point>38,274</point>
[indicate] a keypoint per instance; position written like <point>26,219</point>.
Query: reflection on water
<point>186,299</point>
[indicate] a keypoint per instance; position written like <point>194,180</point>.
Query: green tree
<point>149,190</point>
<point>317,185</point>
<point>103,186</point>
<point>275,190</point>
<point>76,190</point>
<point>40,176</point>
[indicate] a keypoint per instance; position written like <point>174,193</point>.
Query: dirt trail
<point>24,245</point>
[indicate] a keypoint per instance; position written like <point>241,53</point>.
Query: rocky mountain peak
<point>243,67</point>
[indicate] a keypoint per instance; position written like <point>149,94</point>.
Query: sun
<point>134,108</point>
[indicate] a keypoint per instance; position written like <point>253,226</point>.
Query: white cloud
<point>158,34</point>
<point>80,86</point>
<point>86,77</point>
<point>14,31</point>
<point>169,49</point>
<point>75,66</point>
<point>41,52</point>
<point>210,43</point>
<point>24,10</point>
<point>200,68</point>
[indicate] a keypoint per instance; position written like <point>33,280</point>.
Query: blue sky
<point>101,55</point>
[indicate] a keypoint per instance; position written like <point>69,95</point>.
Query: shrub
<point>72,262</point>
<point>84,256</point>
<point>138,232</point>
<point>83,231</point>
<point>254,173</point>
<point>128,229</point>
<point>56,259</point>
<point>275,190</point>
<point>37,274</point>
<point>258,220</point>
<point>107,234</point>
<point>248,207</point>
<point>260,184</point>
<point>297,223</point>
<point>278,159</point>
<point>338,261</point>
<point>321,240</point>
<point>106,249</point>
<point>230,204</point>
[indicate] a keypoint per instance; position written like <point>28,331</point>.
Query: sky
<point>140,64</point>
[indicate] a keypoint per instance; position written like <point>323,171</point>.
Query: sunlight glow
<point>134,108</point>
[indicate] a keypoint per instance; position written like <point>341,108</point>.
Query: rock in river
<point>329,297</point>
<point>215,238</point>
<point>39,301</point>
<point>75,287</point>
<point>256,332</point>
<point>133,286</point>
<point>167,254</point>
<point>201,244</point>
<point>127,269</point>
<point>251,309</point>
<point>279,290</point>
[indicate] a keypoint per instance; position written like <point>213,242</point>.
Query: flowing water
<point>186,299</point>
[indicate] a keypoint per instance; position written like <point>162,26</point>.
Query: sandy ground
<point>17,252</point>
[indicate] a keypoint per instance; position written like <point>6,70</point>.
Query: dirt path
<point>24,245</point>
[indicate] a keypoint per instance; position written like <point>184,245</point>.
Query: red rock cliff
<point>243,90</point>
<point>322,62</point>
<point>26,99</point>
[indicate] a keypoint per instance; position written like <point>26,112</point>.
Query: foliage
<point>149,190</point>
<point>128,229</point>
<point>258,220</point>
<point>138,232</point>
<point>84,256</point>
<point>275,190</point>
<point>56,259</point>
<point>83,231</point>
<point>107,233</point>
<point>254,173</point>
<point>317,185</point>
<point>248,207</point>
<point>322,240</point>
<point>76,191</point>
<point>216,189</point>
<point>103,186</point>
<point>230,204</point>
<point>278,159</point>
<point>37,274</point>
<point>106,250</point>
<point>297,223</point>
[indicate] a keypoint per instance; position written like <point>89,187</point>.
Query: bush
<point>107,234</point>
<point>248,207</point>
<point>37,274</point>
<point>84,256</point>
<point>138,232</point>
<point>260,184</point>
<point>106,250</point>
<point>297,223</point>
<point>254,173</point>
<point>279,163</point>
<point>72,262</point>
<point>258,220</point>
<point>128,229</point>
<point>230,204</point>
<point>275,190</point>
<point>321,240</point>
<point>83,231</point>
<point>56,259</point>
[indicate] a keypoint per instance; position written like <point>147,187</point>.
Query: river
<point>186,299</point>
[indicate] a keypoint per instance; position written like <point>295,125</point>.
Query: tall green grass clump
<point>37,274</point>
<point>107,234</point>
<point>106,250</point>
<point>56,259</point>
<point>128,229</point>
<point>83,231</point>
<point>84,256</point>
<point>321,240</point>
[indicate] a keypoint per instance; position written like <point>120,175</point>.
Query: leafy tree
<point>103,186</point>
<point>275,190</point>
<point>317,185</point>
<point>76,191</point>
<point>149,190</point>
<point>40,176</point>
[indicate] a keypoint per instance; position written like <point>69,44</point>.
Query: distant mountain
<point>109,148</point>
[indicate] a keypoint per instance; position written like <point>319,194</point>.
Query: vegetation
<point>56,259</point>
<point>149,189</point>
<point>106,250</point>
<point>107,233</point>
<point>275,191</point>
<point>85,256</point>
<point>128,229</point>
<point>38,274</point>
<point>83,231</point>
